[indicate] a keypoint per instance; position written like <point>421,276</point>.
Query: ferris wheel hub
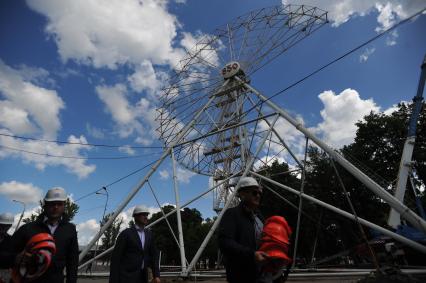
<point>231,69</point>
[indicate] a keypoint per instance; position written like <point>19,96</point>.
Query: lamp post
<point>22,214</point>
<point>104,192</point>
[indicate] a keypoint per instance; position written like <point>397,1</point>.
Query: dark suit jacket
<point>237,242</point>
<point>126,261</point>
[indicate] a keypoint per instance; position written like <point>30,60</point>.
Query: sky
<point>91,72</point>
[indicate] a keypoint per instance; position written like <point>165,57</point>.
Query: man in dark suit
<point>239,236</point>
<point>135,252</point>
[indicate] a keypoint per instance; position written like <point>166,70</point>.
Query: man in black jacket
<point>135,252</point>
<point>6,254</point>
<point>239,235</point>
<point>53,221</point>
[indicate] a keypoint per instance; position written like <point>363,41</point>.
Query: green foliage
<point>194,231</point>
<point>377,150</point>
<point>111,233</point>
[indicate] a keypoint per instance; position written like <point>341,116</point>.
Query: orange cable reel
<point>275,242</point>
<point>35,259</point>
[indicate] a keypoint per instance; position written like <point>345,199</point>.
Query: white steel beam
<point>179,219</point>
<point>405,212</point>
<point>339,211</point>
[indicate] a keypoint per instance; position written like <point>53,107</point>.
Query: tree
<point>194,231</point>
<point>71,209</point>
<point>379,143</point>
<point>110,234</point>
<point>378,146</point>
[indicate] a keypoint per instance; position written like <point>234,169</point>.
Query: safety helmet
<point>140,209</point>
<point>39,251</point>
<point>248,182</point>
<point>56,194</point>
<point>6,218</point>
<point>275,242</point>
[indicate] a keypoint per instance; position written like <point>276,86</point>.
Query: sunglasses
<point>256,193</point>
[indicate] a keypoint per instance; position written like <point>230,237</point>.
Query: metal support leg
<point>163,217</point>
<point>339,211</point>
<point>179,220</point>
<point>405,212</point>
<point>139,186</point>
<point>300,204</point>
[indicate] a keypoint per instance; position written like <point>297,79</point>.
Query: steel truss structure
<point>214,122</point>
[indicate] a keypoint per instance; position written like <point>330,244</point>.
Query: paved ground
<point>169,280</point>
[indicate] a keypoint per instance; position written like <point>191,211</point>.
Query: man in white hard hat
<point>54,221</point>
<point>135,252</point>
<point>6,253</point>
<point>239,235</point>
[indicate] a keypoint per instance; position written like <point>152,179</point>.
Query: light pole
<point>22,214</point>
<point>104,192</point>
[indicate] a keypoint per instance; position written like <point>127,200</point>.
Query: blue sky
<point>92,72</point>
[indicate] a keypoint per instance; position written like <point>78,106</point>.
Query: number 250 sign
<point>230,70</point>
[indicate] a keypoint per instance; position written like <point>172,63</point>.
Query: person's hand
<point>22,258</point>
<point>260,256</point>
<point>156,280</point>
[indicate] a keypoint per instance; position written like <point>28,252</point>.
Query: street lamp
<point>104,192</point>
<point>22,214</point>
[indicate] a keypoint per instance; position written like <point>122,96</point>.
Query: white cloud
<point>138,118</point>
<point>394,107</point>
<point>340,114</point>
<point>367,52</point>
<point>28,109</point>
<point>86,230</point>
<point>389,11</point>
<point>184,175</point>
<point>15,118</point>
<point>391,39</point>
<point>36,107</point>
<point>164,174</point>
<point>108,33</point>
<point>116,103</point>
<point>25,192</point>
<point>41,160</point>
<point>145,78</point>
<point>127,149</point>
<point>94,132</point>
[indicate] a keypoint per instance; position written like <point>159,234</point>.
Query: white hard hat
<point>248,182</point>
<point>140,209</point>
<point>56,194</point>
<point>6,218</point>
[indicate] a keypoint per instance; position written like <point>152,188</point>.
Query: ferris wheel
<point>221,140</point>
<point>210,111</point>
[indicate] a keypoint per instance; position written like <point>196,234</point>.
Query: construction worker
<point>6,255</point>
<point>53,221</point>
<point>135,252</point>
<point>239,235</point>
